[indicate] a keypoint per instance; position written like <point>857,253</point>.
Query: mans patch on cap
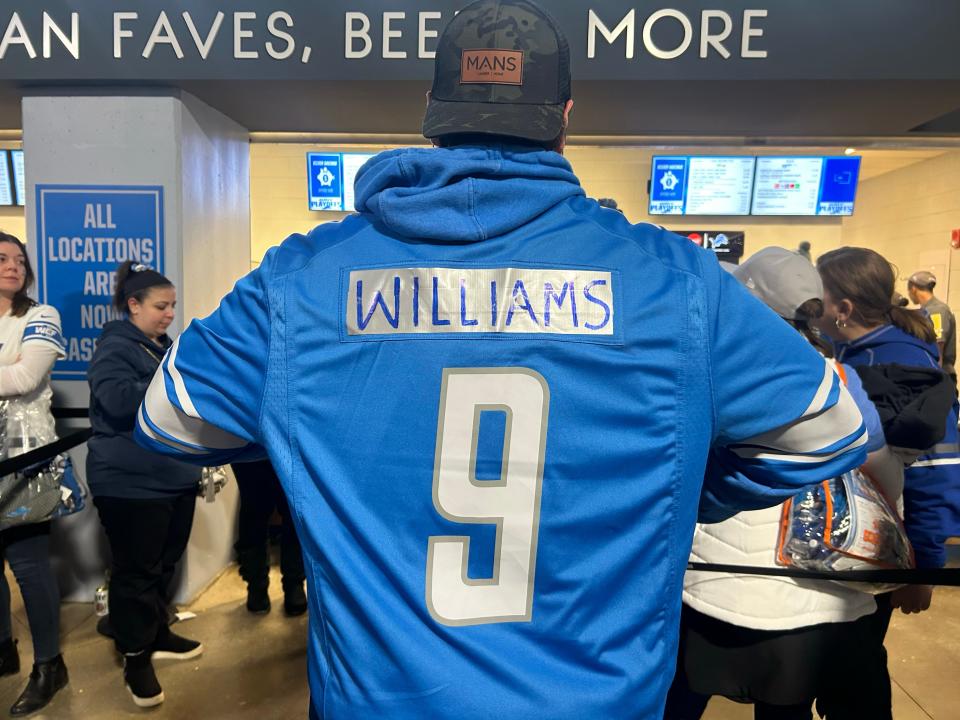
<point>498,67</point>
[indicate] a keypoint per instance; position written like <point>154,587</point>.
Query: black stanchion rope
<point>41,454</point>
<point>63,413</point>
<point>920,576</point>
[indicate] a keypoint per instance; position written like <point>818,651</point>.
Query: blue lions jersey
<point>497,410</point>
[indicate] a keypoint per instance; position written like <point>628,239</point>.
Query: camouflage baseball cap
<point>502,68</point>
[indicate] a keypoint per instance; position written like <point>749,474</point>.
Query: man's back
<point>946,328</point>
<point>491,403</point>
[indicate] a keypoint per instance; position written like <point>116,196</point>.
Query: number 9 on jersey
<point>512,503</point>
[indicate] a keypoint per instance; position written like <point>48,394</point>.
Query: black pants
<point>260,494</point>
<point>684,704</point>
<point>27,549</point>
<point>147,539</point>
<point>867,692</point>
<point>841,665</point>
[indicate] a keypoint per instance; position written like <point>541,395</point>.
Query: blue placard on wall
<point>838,187</point>
<point>331,177</point>
<point>325,178</point>
<point>84,233</point>
<point>668,185</point>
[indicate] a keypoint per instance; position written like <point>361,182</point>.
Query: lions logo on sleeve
<point>43,325</point>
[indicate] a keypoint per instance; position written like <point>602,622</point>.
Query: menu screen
<point>19,182</point>
<point>6,185</point>
<point>330,178</point>
<point>684,185</point>
<point>805,185</point>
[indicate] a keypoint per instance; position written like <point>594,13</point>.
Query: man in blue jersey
<point>498,410</point>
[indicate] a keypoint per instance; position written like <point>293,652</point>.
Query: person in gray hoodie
<point>146,501</point>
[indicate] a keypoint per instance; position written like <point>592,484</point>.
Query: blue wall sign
<point>668,185</point>
<point>838,187</point>
<point>325,175</point>
<point>84,233</point>
<point>330,179</point>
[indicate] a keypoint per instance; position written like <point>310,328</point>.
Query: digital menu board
<point>330,178</point>
<point>701,185</point>
<point>6,182</point>
<point>805,185</point>
<point>19,181</point>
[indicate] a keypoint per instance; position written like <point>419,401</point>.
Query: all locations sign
<point>84,233</point>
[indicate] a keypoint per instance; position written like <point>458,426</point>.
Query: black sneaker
<point>141,680</point>
<point>171,646</point>
<point>258,601</point>
<point>294,600</point>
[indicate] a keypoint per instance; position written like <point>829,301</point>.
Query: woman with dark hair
<point>30,343</point>
<point>869,328</point>
<point>146,501</point>
<point>873,333</point>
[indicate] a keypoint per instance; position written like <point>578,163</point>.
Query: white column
<point>200,158</point>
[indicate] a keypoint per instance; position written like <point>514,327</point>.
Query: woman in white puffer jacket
<point>777,642</point>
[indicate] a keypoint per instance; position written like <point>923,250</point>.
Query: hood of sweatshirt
<point>885,345</point>
<point>463,194</point>
<point>126,330</point>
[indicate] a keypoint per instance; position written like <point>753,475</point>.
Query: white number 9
<point>512,503</point>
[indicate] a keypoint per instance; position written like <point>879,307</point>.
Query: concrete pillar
<point>200,159</point>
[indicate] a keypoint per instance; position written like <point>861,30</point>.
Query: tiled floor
<point>254,667</point>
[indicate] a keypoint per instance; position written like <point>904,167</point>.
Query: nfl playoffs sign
<point>83,234</point>
<point>330,179</point>
<point>325,175</point>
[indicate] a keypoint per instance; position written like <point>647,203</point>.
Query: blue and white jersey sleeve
<point>30,347</point>
<point>783,418</point>
<point>43,327</point>
<point>203,405</point>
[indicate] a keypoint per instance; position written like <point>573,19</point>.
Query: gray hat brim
<point>541,123</point>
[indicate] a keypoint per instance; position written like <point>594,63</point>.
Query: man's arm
<point>783,418</point>
<point>203,404</point>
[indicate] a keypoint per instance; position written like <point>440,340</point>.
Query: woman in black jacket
<point>145,501</point>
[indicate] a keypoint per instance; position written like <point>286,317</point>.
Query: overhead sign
<point>701,185</point>
<point>6,180</point>
<point>806,185</point>
<point>330,178</point>
<point>19,179</point>
<point>668,183</point>
<point>173,40</point>
<point>83,234</point>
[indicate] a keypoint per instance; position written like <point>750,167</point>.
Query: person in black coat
<point>260,494</point>
<point>145,501</point>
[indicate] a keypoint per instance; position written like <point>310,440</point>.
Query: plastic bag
<point>39,493</point>
<point>42,491</point>
<point>844,524</point>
